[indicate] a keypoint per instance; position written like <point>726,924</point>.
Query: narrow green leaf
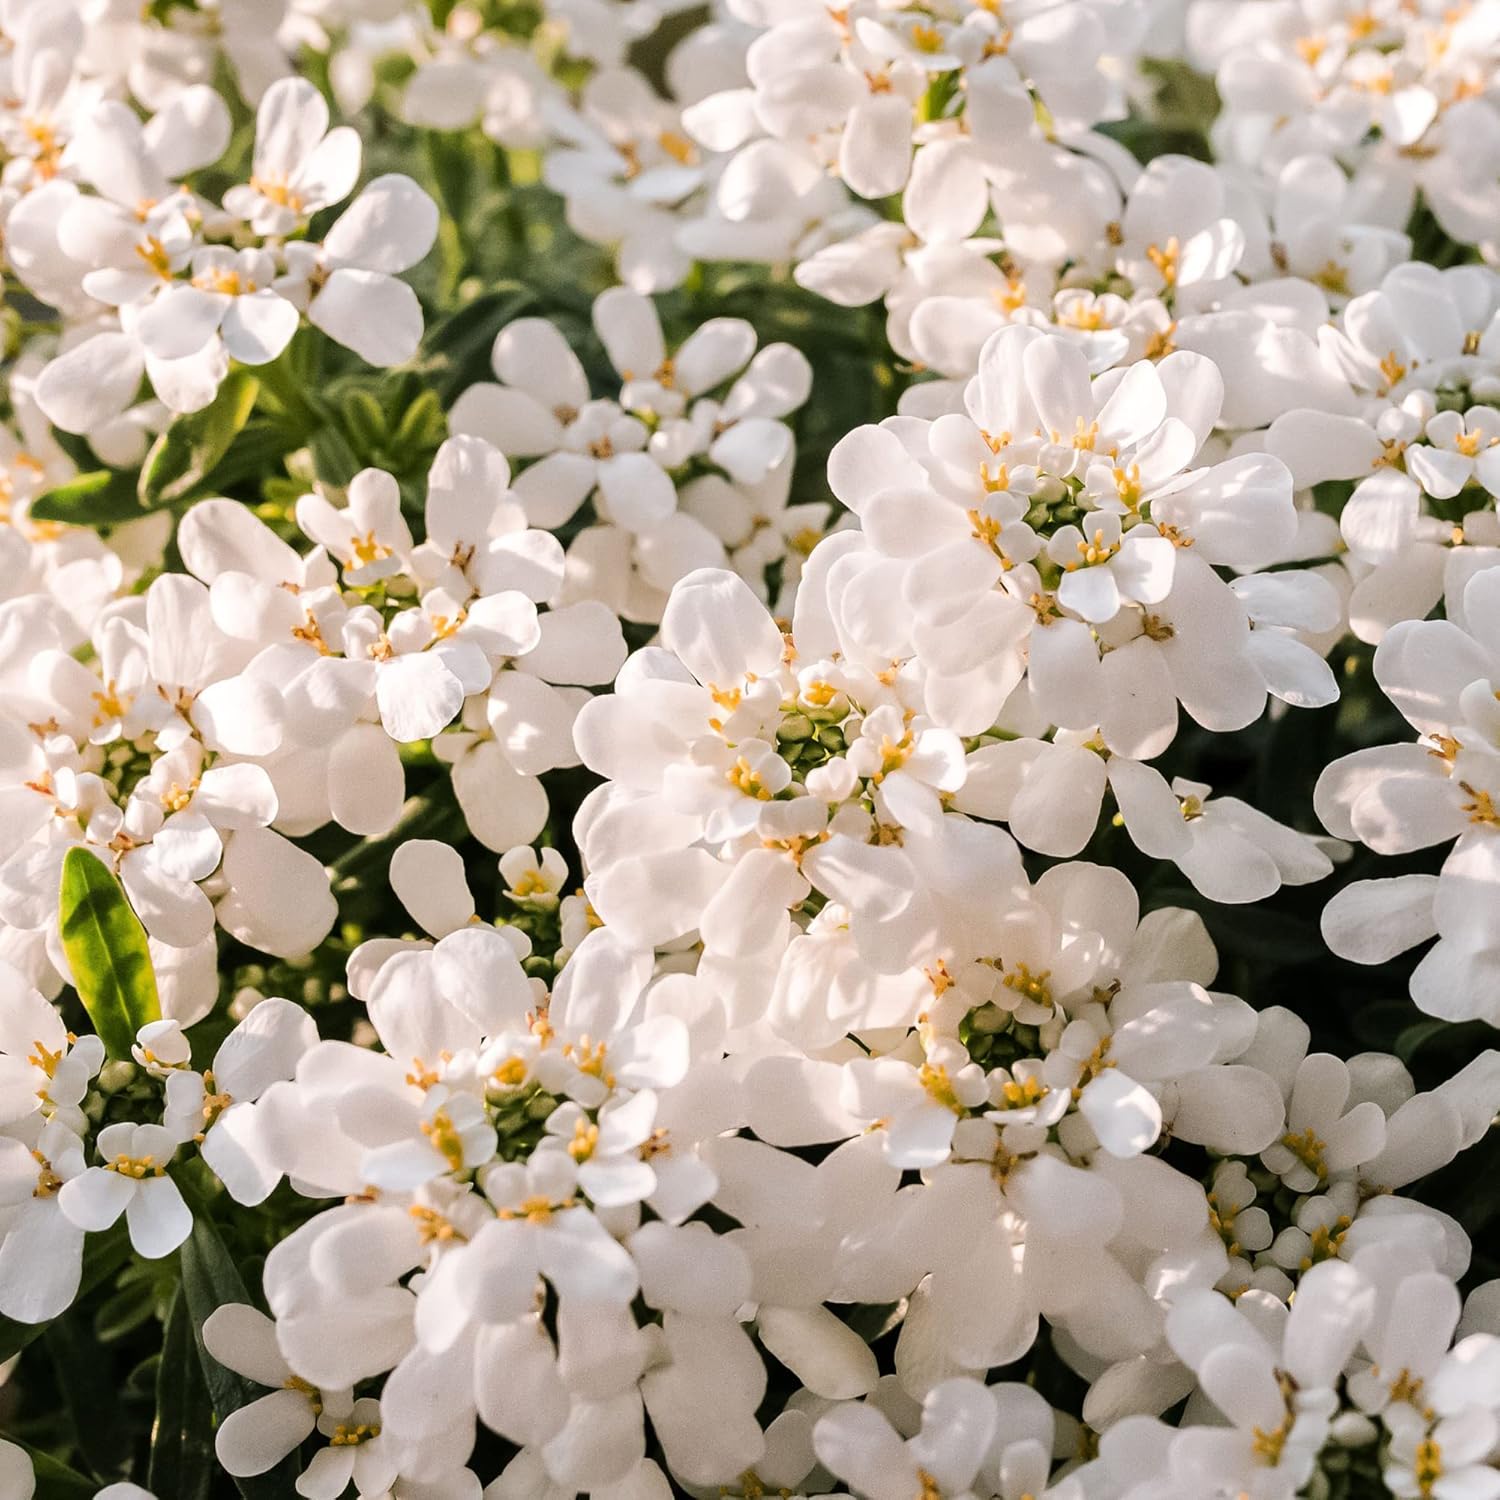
<point>182,1450</point>
<point>210,1279</point>
<point>105,497</point>
<point>364,421</point>
<point>107,952</point>
<point>184,456</point>
<point>335,462</point>
<point>450,163</point>
<point>422,426</point>
<point>258,452</point>
<point>86,1379</point>
<point>76,446</point>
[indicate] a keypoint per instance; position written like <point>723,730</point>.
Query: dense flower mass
<point>750,748</point>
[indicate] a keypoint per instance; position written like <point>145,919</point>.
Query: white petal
<point>278,897</point>
<point>373,314</point>
<point>258,1436</point>
<point>638,492</point>
<point>92,383</point>
<point>824,1353</point>
<point>875,152</point>
<point>418,696</point>
<point>503,808</point>
<point>429,881</point>
<point>389,227</point>
<point>159,1219</point>
<point>366,782</point>
<point>1124,1115</point>
<point>96,1198</point>
<point>630,331</point>
<point>1371,921</point>
<point>258,327</point>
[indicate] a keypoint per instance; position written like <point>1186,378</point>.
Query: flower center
<point>1032,986</point>
<point>1308,1149</point>
<point>443,1135</point>
<point>939,1087</point>
<point>138,1167</point>
<point>154,254</point>
<point>367,549</point>
<point>537,1210</point>
<point>585,1141</point>
<point>744,778</point>
<point>279,192</point>
<point>48,1183</point>
<point>352,1434</point>
<point>1164,258</point>
<point>1092,552</point>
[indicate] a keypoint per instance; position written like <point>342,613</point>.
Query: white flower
<point>918,1107</point>
<point>228,295</point>
<point>533,878</point>
<point>1450,1453</point>
<point>453,1134</point>
<point>1401,797</point>
<point>216,1108</point>
<point>42,1066</point>
<point>1321,1140</point>
<point>369,536</point>
<point>1275,1424</point>
<point>300,166</point>
<point>358,1452</point>
<point>258,1436</point>
<point>348,285</point>
<point>624,453</point>
<point>41,1249</point>
<point>857,1443</point>
<point>134,1182</point>
<point>626,170</point>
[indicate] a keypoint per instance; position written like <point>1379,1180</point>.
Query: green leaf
<point>364,421</point>
<point>184,456</point>
<point>423,425</point>
<point>86,1380</point>
<point>104,498</point>
<point>182,1451</point>
<point>107,952</point>
<point>259,452</point>
<point>210,1279</point>
<point>132,1305</point>
<point>335,462</point>
<point>450,165</point>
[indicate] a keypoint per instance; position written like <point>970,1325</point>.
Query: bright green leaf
<point>423,424</point>
<point>184,456</point>
<point>104,498</point>
<point>364,421</point>
<point>107,952</point>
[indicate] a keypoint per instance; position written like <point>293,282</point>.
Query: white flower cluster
<point>616,930</point>
<point>1402,94</point>
<point>678,479</point>
<point>159,281</point>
